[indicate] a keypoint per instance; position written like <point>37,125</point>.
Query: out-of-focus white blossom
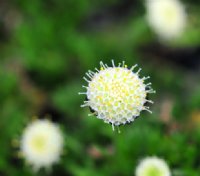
<point>166,17</point>
<point>41,144</point>
<point>152,166</point>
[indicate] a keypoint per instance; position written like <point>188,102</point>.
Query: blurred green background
<point>45,49</point>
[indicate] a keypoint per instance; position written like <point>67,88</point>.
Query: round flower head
<point>153,166</point>
<point>166,17</point>
<point>116,94</point>
<point>41,144</point>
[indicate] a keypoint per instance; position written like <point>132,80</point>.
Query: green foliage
<point>51,47</point>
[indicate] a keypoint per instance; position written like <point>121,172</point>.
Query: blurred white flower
<point>41,144</point>
<point>152,166</point>
<point>116,94</point>
<point>166,17</point>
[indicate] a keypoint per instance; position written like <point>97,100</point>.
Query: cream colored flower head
<point>152,166</point>
<point>41,144</point>
<point>166,17</point>
<point>116,94</point>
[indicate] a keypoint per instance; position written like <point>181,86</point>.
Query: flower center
<point>153,171</point>
<point>118,90</point>
<point>170,15</point>
<point>38,143</point>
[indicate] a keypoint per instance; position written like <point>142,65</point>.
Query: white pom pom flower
<point>153,166</point>
<point>116,94</point>
<point>41,144</point>
<point>166,17</point>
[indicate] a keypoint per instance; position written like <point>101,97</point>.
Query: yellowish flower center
<point>38,143</point>
<point>153,171</point>
<point>170,15</point>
